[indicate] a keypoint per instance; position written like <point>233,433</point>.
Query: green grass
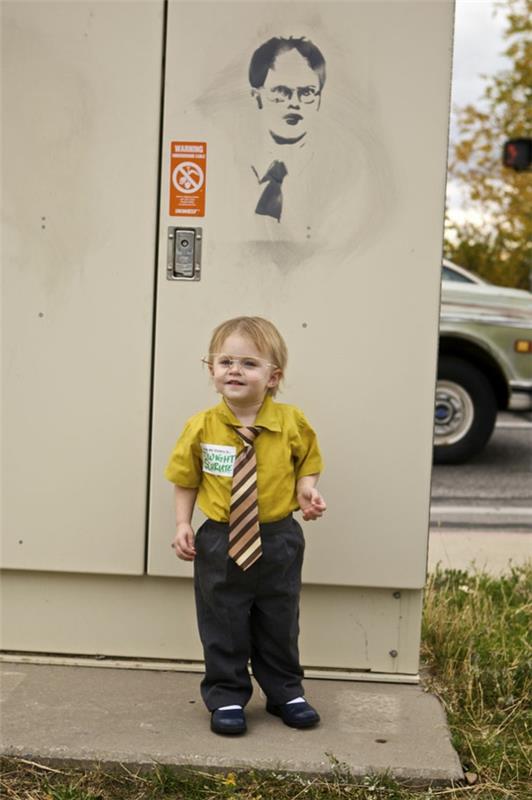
<point>477,658</point>
<point>477,643</point>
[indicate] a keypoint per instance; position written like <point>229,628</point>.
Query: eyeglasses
<point>284,94</point>
<point>246,363</point>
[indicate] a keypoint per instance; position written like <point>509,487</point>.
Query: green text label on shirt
<point>218,459</point>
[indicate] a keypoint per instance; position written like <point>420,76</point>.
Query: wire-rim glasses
<point>246,363</point>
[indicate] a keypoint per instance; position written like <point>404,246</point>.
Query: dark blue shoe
<point>229,721</point>
<point>296,715</point>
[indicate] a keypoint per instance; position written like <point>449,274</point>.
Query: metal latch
<point>184,254</point>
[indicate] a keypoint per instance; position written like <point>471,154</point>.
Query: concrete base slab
<point>143,717</point>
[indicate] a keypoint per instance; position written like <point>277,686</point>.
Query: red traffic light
<point>517,154</point>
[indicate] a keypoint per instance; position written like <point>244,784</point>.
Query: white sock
<point>296,700</point>
<point>227,708</point>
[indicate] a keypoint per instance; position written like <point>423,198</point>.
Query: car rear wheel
<point>466,409</point>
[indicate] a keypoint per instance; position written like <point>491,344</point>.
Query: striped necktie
<point>244,537</point>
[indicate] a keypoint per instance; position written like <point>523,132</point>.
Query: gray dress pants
<point>249,616</point>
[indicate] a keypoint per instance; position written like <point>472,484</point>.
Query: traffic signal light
<point>517,154</point>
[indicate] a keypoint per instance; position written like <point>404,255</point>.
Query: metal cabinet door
<point>81,109</point>
<point>350,272</point>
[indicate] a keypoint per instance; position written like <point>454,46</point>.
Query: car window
<point>450,275</point>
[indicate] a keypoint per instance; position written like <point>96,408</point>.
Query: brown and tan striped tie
<point>244,537</point>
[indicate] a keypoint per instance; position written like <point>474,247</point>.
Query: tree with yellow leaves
<point>499,248</point>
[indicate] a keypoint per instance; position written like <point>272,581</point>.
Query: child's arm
<point>310,500</point>
<point>183,543</point>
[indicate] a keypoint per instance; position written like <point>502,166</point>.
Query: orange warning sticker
<point>188,163</point>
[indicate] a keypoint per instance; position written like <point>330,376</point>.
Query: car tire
<point>465,412</point>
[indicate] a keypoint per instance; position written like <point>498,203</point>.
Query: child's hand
<point>183,543</point>
<point>311,503</point>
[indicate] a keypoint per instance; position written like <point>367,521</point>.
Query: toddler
<point>250,463</point>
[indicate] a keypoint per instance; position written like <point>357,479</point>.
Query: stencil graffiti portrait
<point>301,170</point>
<point>287,78</point>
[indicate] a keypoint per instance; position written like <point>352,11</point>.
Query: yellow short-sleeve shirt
<point>286,448</point>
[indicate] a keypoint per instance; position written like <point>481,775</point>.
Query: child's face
<point>241,373</point>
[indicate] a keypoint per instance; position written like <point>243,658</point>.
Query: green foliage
<point>499,247</point>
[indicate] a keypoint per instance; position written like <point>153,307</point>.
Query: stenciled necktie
<point>271,200</point>
<point>244,537</point>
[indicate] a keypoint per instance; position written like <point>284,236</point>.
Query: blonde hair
<point>261,332</point>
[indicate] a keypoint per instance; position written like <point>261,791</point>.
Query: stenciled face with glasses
<point>289,98</point>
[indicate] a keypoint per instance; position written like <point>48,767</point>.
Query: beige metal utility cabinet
<point>131,129</point>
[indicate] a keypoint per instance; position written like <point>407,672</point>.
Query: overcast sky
<point>478,45</point>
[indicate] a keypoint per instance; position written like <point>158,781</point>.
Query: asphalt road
<point>494,489</point>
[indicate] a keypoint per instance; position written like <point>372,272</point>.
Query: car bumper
<point>521,387</point>
<point>521,396</point>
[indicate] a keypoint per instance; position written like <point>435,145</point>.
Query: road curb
<point>494,552</point>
